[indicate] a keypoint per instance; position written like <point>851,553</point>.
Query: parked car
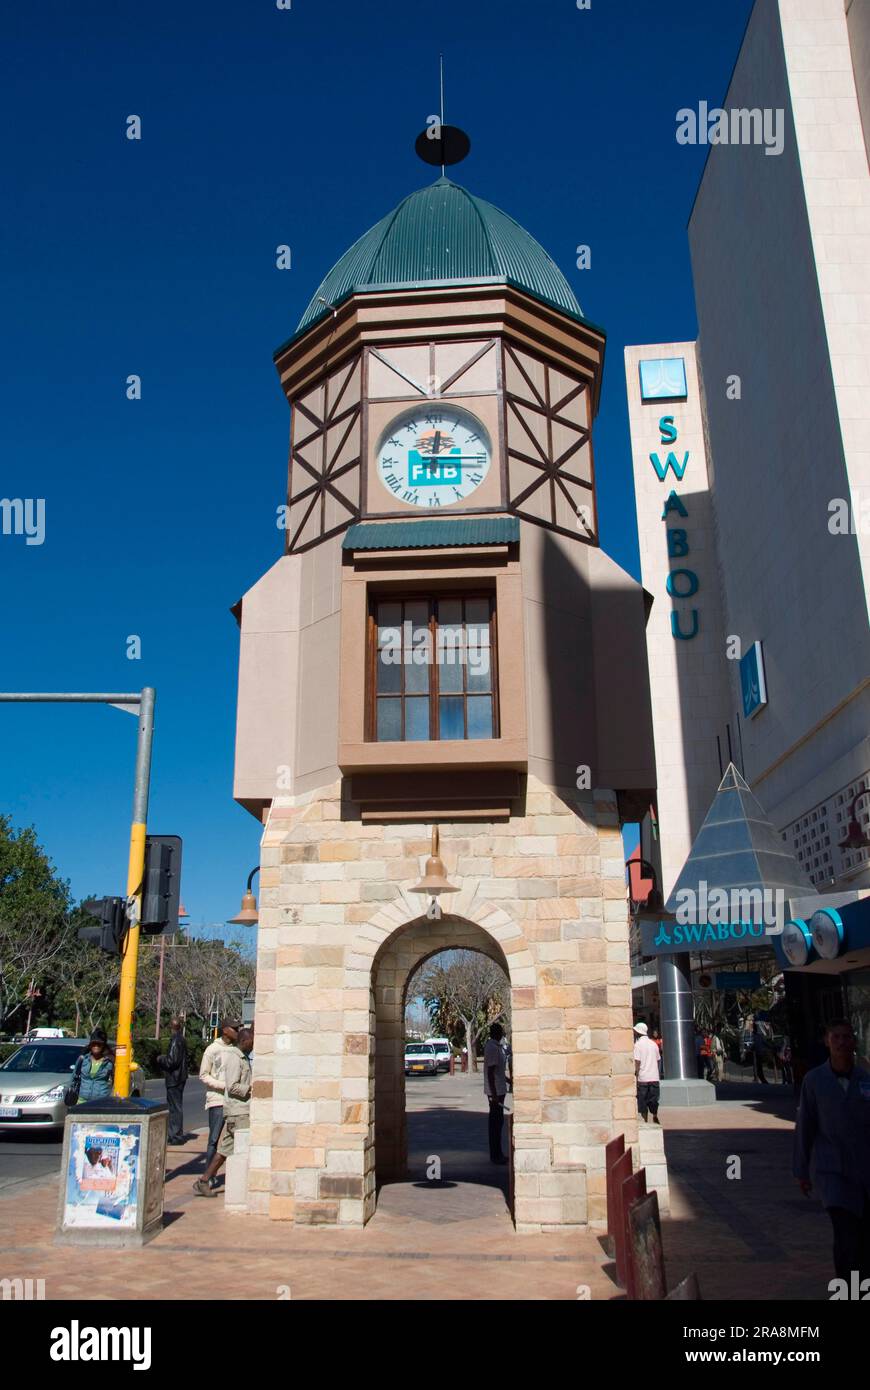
<point>420,1060</point>
<point>442,1052</point>
<point>34,1078</point>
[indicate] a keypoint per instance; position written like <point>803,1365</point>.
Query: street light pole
<point>143,703</point>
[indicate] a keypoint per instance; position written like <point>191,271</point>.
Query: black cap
<point>99,1035</point>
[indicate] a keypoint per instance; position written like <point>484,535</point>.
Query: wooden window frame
<point>432,598</point>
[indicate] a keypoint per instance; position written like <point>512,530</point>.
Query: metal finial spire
<point>450,145</point>
<point>441,68</point>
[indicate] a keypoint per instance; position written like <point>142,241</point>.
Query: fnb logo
<point>433,471</point>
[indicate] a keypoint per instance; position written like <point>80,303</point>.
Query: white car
<point>420,1060</point>
<point>442,1052</point>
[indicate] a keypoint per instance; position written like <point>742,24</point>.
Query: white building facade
<point>757,442</point>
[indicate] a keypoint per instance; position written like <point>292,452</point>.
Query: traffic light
<point>161,886</point>
<point>112,916</point>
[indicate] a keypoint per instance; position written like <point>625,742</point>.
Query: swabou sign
<point>667,938</point>
<point>682,582</point>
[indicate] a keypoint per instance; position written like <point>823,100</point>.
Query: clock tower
<point>442,644</point>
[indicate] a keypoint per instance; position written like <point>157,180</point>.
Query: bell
<point>248,915</point>
<point>434,880</point>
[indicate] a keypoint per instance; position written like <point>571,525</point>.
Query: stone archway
<point>384,955</point>
<point>392,969</point>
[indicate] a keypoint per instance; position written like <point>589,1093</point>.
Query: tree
<point>464,990</point>
<point>34,926</point>
<point>200,977</point>
<point>87,979</point>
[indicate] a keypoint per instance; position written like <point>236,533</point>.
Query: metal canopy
<point>430,535</point>
<point>738,848</point>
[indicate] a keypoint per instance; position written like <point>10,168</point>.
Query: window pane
<point>417,613</point>
<point>450,658</point>
<point>480,717</point>
<point>452,719</point>
<point>389,615</point>
<point>477,612</point>
<point>389,672</point>
<point>449,610</point>
<point>479,663</point>
<point>389,721</point>
<point>417,661</point>
<point>416,719</point>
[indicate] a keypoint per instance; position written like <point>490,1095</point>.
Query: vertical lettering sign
<point>662,380</point>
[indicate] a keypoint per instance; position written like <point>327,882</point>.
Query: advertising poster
<point>102,1181</point>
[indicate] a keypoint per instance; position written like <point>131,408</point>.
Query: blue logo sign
<point>665,938</point>
<point>663,379</point>
<point>442,471</point>
<point>752,682</point>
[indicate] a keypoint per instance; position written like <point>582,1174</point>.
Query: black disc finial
<point>442,144</point>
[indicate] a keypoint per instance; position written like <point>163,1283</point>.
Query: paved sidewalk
<point>432,1241</point>
<point>752,1236</point>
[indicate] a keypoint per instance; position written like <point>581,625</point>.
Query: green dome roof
<point>443,235</point>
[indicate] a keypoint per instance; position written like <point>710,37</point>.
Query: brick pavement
<point>754,1236</point>
<point>748,1237</point>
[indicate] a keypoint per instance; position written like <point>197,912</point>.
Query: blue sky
<point>262,127</point>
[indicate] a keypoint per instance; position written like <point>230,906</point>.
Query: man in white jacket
<point>211,1073</point>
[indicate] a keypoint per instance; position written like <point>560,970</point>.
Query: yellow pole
<point>130,960</point>
<point>135,875</point>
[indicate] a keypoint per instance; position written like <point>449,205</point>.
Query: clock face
<point>434,455</point>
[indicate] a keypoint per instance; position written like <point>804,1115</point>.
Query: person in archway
<point>495,1087</point>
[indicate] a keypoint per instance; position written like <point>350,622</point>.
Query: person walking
<point>646,1071</point>
<point>495,1089</point>
<point>95,1069</point>
<point>175,1067</point>
<point>832,1147</point>
<point>760,1045</point>
<point>657,1039</point>
<point>699,1061</point>
<point>785,1061</point>
<point>718,1054</point>
<point>706,1055</point>
<point>237,1109</point>
<point>211,1074</point>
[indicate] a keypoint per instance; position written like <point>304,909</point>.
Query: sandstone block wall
<point>340,933</point>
